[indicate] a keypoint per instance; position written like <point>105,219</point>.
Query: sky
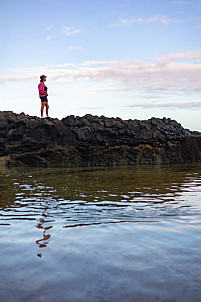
<point>133,59</point>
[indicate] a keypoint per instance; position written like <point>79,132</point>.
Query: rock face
<point>94,141</point>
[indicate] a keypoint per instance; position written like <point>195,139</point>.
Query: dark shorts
<point>44,99</point>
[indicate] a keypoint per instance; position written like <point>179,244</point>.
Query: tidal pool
<point>100,234</point>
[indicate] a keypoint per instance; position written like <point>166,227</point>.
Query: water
<point>100,234</point>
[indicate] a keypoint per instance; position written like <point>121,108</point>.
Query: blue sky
<point>126,58</point>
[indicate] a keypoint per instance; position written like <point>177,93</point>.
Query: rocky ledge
<point>94,141</point>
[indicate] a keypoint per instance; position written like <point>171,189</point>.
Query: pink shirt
<point>41,89</point>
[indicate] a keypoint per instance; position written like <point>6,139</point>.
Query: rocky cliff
<point>94,141</point>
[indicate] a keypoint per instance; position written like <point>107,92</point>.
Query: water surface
<point>100,234</point>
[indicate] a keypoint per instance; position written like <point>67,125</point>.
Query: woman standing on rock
<point>43,95</point>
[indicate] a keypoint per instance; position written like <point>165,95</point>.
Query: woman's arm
<point>41,90</point>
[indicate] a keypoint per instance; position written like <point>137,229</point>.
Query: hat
<point>42,77</point>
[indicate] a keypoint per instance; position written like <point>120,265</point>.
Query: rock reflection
<point>96,195</point>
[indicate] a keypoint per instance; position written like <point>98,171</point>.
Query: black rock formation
<point>94,141</point>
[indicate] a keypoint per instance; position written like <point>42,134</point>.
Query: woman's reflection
<point>43,242</point>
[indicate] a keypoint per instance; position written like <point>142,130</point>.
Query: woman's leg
<point>47,108</point>
<point>42,108</point>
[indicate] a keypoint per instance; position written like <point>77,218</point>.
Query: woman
<point>43,95</point>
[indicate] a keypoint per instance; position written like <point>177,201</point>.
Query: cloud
<point>124,21</point>
<point>163,20</point>
<point>176,73</point>
<point>188,105</point>
<point>194,4</point>
<point>74,47</point>
<point>49,27</point>
<point>186,56</point>
<point>130,21</point>
<point>62,65</point>
<point>198,27</point>
<point>69,31</point>
<point>92,107</point>
<point>48,38</point>
<point>15,78</point>
<point>183,2</point>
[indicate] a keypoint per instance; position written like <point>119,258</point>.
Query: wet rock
<point>94,141</point>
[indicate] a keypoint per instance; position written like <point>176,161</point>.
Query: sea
<point>101,234</point>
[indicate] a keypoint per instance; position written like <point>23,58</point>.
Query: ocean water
<point>100,234</point>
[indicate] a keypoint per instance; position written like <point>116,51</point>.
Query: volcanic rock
<point>94,141</point>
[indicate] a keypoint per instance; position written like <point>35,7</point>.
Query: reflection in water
<point>101,196</point>
<point>112,227</point>
<point>41,224</point>
<point>88,196</point>
<point>83,197</point>
<point>45,240</point>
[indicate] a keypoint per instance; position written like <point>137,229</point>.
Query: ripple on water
<point>127,199</point>
<point>105,234</point>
